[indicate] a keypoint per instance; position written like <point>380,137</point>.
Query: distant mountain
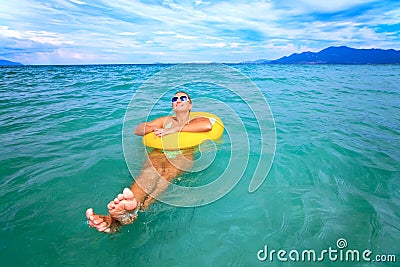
<point>9,63</point>
<point>342,55</point>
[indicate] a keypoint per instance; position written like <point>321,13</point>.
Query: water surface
<point>335,174</point>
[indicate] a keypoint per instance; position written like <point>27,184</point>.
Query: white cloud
<point>6,32</point>
<point>165,32</point>
<point>71,54</point>
<point>217,45</point>
<point>186,37</point>
<point>78,2</point>
<point>200,2</point>
<point>42,37</point>
<point>127,33</point>
<point>190,30</point>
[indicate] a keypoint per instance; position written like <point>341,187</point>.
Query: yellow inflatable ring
<point>182,140</point>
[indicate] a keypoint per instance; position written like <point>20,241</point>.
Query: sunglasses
<point>183,98</point>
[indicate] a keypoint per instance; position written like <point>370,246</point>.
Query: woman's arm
<point>196,125</point>
<point>148,127</point>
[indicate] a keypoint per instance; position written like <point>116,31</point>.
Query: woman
<point>157,172</point>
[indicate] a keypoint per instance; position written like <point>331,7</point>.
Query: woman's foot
<point>102,223</point>
<point>124,207</point>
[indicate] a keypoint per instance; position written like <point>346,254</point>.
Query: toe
<point>89,212</point>
<point>97,220</point>
<point>103,226</point>
<point>111,205</point>
<point>128,194</point>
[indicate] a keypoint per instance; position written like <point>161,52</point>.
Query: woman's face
<point>181,102</point>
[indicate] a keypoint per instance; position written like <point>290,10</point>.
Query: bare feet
<point>102,223</point>
<point>124,207</point>
<point>123,210</point>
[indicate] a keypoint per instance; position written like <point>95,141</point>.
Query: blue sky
<point>139,31</point>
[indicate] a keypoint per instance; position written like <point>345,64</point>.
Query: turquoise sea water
<point>336,171</point>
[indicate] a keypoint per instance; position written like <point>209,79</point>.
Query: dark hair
<point>183,92</point>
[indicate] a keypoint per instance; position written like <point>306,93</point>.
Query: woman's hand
<point>160,132</point>
<point>148,127</point>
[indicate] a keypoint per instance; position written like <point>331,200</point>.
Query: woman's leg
<point>154,179</point>
<point>172,168</point>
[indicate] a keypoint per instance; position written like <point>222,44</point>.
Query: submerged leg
<point>172,168</point>
<point>154,179</point>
